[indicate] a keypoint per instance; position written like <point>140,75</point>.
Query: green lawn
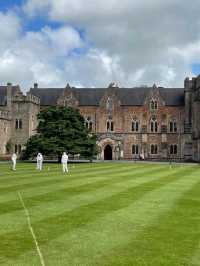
<point>101,214</point>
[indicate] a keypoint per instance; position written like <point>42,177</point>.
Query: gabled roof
<point>127,96</point>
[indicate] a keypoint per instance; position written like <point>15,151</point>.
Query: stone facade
<point>143,122</point>
<point>192,89</point>
<point>18,119</point>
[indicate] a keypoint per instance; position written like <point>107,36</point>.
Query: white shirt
<point>14,157</point>
<point>39,157</point>
<point>64,158</point>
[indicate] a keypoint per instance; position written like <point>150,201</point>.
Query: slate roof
<point>127,96</point>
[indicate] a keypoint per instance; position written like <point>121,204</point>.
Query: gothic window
<point>153,105</point>
<point>172,127</point>
<point>135,125</point>
<point>154,149</point>
<point>89,123</point>
<point>154,125</point>
<point>110,126</point>
<point>173,149</point>
<point>135,149</point>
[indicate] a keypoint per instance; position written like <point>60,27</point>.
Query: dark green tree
<point>61,129</point>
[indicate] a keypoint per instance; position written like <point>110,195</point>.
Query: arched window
<point>173,149</point>
<point>110,125</point>
<point>135,125</point>
<point>154,125</point>
<point>172,127</point>
<point>89,123</point>
<point>135,149</point>
<point>154,149</point>
<point>153,105</point>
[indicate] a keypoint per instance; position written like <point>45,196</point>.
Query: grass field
<point>101,214</point>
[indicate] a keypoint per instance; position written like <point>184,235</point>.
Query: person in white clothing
<point>64,162</point>
<point>39,161</point>
<point>14,160</point>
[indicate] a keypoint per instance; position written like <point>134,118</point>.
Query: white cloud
<point>147,37</point>
<point>133,42</point>
<point>35,56</point>
<point>9,29</point>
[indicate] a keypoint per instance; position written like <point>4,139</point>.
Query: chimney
<point>9,96</point>
<point>35,85</point>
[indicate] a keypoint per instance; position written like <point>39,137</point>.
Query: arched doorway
<point>108,153</point>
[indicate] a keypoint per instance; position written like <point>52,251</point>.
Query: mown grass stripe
<point>117,229</point>
<point>66,222</point>
<point>73,190</point>
<point>52,169</point>
<point>170,240</point>
<point>59,177</point>
<point>31,229</point>
<point>68,181</point>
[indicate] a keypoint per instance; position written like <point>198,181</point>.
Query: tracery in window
<point>153,105</point>
<point>154,125</point>
<point>135,125</point>
<point>89,123</point>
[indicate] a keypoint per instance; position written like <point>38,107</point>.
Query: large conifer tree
<point>61,129</point>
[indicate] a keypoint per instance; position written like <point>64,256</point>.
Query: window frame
<point>153,125</point>
<point>153,105</point>
<point>135,149</point>
<point>135,125</point>
<point>154,149</point>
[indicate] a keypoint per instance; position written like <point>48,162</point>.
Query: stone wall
<point>21,122</point>
<point>5,131</point>
<point>124,138</point>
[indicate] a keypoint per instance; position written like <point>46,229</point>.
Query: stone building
<point>18,118</point>
<point>150,122</point>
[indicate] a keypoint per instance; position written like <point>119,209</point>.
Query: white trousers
<point>39,165</point>
<point>65,168</point>
<point>14,164</point>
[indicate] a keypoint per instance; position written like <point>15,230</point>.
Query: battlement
<point>6,115</point>
<point>32,98</point>
<point>192,84</point>
<point>29,98</point>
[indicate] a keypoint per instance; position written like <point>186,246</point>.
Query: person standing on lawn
<point>64,162</point>
<point>39,161</point>
<point>14,161</point>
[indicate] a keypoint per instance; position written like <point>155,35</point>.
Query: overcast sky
<point>90,43</point>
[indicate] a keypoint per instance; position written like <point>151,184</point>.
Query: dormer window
<point>154,105</point>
